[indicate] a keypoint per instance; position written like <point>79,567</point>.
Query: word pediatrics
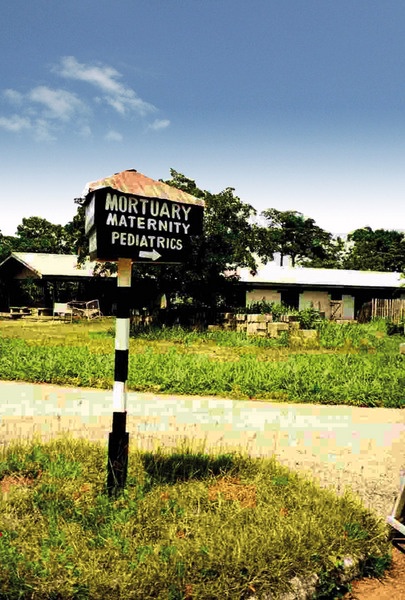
<point>157,224</point>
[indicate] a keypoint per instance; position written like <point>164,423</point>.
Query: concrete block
<point>402,348</point>
<point>228,316</point>
<point>275,328</point>
<point>346,321</point>
<point>263,318</point>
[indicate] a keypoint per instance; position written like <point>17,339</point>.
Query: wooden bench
<point>16,312</point>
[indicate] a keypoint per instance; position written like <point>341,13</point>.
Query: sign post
<point>132,218</point>
<point>118,441</point>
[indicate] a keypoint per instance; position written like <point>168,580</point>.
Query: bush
<point>394,328</point>
<point>276,309</point>
<point>308,318</point>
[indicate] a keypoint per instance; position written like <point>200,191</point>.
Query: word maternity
<point>156,217</point>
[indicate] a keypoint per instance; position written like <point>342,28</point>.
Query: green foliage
<point>261,307</point>
<point>378,250</point>
<point>394,328</point>
<point>308,318</point>
<point>227,242</point>
<point>36,234</point>
<point>76,237</point>
<point>293,235</point>
<point>333,256</point>
<point>188,523</point>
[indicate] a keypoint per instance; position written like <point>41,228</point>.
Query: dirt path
<point>391,587</point>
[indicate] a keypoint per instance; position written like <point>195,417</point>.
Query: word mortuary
<point>129,215</point>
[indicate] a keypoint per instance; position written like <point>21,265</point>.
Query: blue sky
<point>297,104</point>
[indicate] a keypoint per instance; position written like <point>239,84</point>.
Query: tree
<point>292,234</point>
<point>36,234</point>
<point>379,250</point>
<point>228,241</point>
<point>75,235</point>
<point>6,245</point>
<point>334,257</point>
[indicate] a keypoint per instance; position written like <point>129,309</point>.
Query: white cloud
<point>159,124</point>
<point>40,128</point>
<point>46,111</point>
<point>121,97</point>
<point>43,131</point>
<point>114,136</point>
<point>85,131</point>
<point>59,104</point>
<point>15,123</point>
<point>13,96</point>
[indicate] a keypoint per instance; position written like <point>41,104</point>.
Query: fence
<point>393,309</point>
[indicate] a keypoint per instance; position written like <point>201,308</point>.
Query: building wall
<point>259,295</point>
<point>320,300</point>
<point>348,306</point>
<point>25,273</point>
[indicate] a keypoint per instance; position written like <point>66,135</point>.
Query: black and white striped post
<point>118,441</point>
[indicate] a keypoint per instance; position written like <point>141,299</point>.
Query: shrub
<point>308,318</point>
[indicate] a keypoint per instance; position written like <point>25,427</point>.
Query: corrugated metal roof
<point>52,264</point>
<point>133,182</point>
<point>270,273</point>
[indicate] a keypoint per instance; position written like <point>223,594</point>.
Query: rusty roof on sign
<point>133,182</point>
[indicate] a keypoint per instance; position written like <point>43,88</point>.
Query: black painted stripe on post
<point>123,302</point>
<point>121,365</point>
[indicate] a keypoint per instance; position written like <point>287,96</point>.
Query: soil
<point>390,587</point>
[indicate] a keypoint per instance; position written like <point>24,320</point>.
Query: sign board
<point>148,230</point>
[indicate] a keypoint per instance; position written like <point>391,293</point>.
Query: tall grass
<point>355,365</point>
<point>188,526</point>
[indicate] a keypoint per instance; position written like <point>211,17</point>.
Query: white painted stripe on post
<point>122,334</point>
<point>119,397</point>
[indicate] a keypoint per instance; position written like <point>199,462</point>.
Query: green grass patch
<point>355,364</point>
<point>188,525</point>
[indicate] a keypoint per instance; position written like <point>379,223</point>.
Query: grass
<point>189,526</point>
<point>354,364</point>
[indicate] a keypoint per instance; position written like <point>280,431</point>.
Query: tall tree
<point>376,250</point>
<point>293,235</point>
<point>7,244</point>
<point>36,234</point>
<point>76,239</point>
<point>334,256</point>
<point>228,241</point>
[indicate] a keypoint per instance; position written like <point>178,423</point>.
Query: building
<point>339,294</point>
<point>40,279</point>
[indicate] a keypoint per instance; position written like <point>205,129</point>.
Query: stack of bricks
<point>257,324</point>
<point>241,323</point>
<point>261,325</point>
<point>229,321</point>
